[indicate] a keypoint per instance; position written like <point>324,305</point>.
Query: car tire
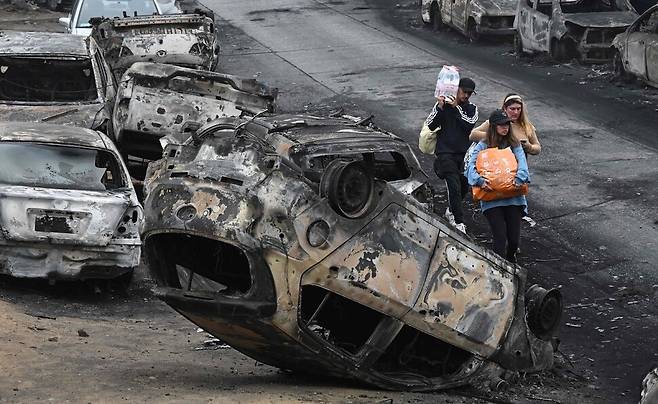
<point>435,17</point>
<point>472,31</point>
<point>52,5</point>
<point>556,50</point>
<point>619,69</point>
<point>518,45</point>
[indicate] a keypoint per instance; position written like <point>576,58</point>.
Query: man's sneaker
<point>461,227</point>
<point>450,217</point>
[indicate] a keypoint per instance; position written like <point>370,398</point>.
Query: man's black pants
<point>450,167</point>
<point>505,224</point>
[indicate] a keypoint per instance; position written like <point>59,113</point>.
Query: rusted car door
<point>459,17</point>
<point>466,300</point>
<point>446,10</point>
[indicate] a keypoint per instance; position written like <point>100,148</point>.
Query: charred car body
<point>54,78</point>
<point>188,40</point>
<point>471,17</point>
<point>68,208</point>
<point>582,29</point>
<point>154,100</point>
<point>309,244</point>
<point>636,50</point>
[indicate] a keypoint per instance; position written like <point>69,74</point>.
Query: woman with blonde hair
<point>521,126</point>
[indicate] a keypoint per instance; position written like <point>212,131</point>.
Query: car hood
<point>496,7</point>
<point>611,19</point>
<point>82,115</point>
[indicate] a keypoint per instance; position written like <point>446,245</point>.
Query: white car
<point>69,209</point>
<point>83,10</point>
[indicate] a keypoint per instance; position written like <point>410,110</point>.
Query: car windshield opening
<point>61,167</point>
<point>111,9</point>
<point>25,79</point>
<point>590,6</point>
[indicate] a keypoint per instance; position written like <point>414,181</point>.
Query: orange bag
<point>498,166</point>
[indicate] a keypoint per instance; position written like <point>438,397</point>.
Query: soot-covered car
<point>636,50</point>
<point>188,40</point>
<point>156,99</point>
<point>474,18</point>
<point>310,244</point>
<point>54,78</point>
<point>68,209</point>
<point>566,29</point>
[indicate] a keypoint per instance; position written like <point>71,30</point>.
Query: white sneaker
<point>461,227</point>
<point>450,217</point>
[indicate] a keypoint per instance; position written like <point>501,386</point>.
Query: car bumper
<point>68,262</point>
<point>488,31</point>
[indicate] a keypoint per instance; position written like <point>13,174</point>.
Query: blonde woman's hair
<point>513,98</point>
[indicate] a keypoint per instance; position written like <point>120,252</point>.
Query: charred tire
<point>349,188</point>
<point>435,16</point>
<point>543,311</point>
<point>561,50</point>
<point>518,45</point>
<point>472,31</point>
<point>619,69</point>
<point>52,5</point>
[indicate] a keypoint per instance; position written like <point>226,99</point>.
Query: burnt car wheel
<point>472,31</point>
<point>349,188</point>
<point>435,17</point>
<point>52,5</point>
<point>561,50</point>
<point>518,45</point>
<point>620,70</point>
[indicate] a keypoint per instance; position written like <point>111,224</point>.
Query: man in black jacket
<point>456,117</point>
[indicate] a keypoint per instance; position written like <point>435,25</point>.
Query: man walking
<point>456,117</point>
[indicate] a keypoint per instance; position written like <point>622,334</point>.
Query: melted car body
<point>310,244</point>
<point>582,29</point>
<point>637,49</point>
<point>54,78</point>
<point>68,208</point>
<point>188,40</point>
<point>472,17</point>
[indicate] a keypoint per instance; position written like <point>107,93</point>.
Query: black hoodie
<point>456,124</point>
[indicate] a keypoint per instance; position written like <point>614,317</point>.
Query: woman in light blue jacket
<point>503,215</point>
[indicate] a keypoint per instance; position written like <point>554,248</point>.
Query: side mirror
<point>65,21</point>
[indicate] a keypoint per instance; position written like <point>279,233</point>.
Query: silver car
<point>69,210</point>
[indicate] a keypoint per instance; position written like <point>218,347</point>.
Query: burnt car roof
<point>40,43</point>
<point>49,133</point>
<point>313,130</point>
<point>602,19</point>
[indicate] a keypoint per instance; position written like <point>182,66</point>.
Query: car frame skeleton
<point>68,209</point>
<point>582,29</point>
<point>474,18</point>
<point>309,244</point>
<point>188,40</point>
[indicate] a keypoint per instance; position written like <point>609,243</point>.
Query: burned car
<point>188,40</point>
<point>155,99</point>
<point>68,208</point>
<point>54,78</point>
<point>636,50</point>
<point>471,17</point>
<point>567,29</point>
<point>310,244</point>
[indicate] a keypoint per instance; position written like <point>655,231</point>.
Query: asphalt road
<point>594,185</point>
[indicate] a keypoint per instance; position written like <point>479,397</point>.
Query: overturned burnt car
<point>68,208</point>
<point>568,29</point>
<point>54,78</point>
<point>188,40</point>
<point>156,99</point>
<point>310,244</point>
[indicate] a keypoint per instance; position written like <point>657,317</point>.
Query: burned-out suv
<point>310,244</point>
